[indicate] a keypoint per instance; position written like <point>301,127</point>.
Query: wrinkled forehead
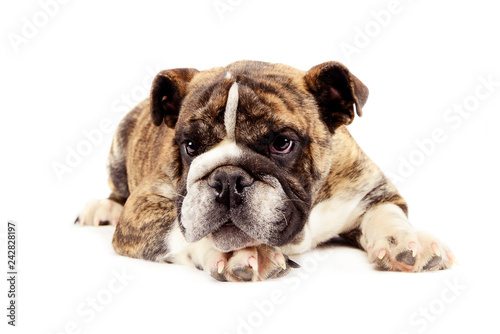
<point>245,104</point>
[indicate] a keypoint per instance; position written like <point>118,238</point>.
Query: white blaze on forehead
<point>226,151</point>
<point>230,113</point>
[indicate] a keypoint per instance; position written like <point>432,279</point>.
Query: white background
<point>75,72</point>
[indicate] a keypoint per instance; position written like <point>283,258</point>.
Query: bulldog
<point>233,169</point>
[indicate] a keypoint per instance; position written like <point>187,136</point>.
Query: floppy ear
<point>337,92</point>
<point>167,92</point>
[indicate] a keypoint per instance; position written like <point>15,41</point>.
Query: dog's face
<point>252,146</point>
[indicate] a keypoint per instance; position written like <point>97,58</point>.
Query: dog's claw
<point>293,264</point>
<point>382,254</point>
<point>413,247</point>
<point>252,262</point>
<point>220,266</point>
<point>281,260</point>
<point>435,249</point>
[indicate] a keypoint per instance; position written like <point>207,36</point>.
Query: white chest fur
<point>326,220</point>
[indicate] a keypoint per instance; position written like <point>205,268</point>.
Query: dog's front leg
<point>148,216</point>
<point>393,244</point>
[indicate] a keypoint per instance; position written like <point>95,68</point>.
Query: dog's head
<point>252,145</point>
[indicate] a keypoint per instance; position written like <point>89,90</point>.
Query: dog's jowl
<point>232,169</point>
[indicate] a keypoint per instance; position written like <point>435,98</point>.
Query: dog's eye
<point>281,145</point>
<point>191,148</point>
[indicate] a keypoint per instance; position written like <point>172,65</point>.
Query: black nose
<point>229,183</point>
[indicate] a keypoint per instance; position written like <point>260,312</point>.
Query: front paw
<point>249,264</point>
<point>410,251</point>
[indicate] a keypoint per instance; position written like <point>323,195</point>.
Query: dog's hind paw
<point>99,212</point>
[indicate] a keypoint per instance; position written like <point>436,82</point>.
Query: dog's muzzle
<point>241,200</point>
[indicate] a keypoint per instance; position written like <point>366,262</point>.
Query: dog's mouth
<point>228,237</point>
<point>227,225</point>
